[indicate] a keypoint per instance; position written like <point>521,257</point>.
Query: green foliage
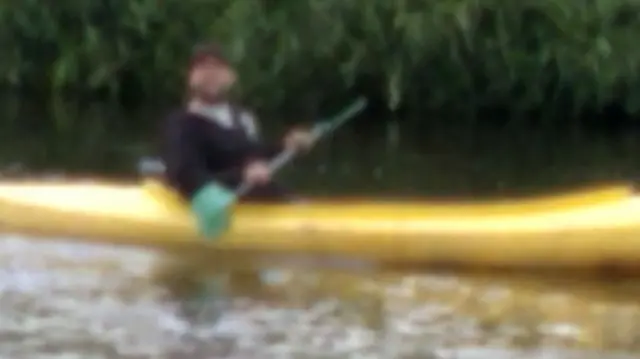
<point>464,55</point>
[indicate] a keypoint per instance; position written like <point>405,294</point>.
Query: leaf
<point>100,77</point>
<point>65,70</point>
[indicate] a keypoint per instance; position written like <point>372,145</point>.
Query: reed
<point>559,58</point>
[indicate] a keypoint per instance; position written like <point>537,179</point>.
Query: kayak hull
<point>596,227</point>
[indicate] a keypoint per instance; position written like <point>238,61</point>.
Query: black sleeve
<point>269,151</point>
<point>186,164</point>
<point>230,176</point>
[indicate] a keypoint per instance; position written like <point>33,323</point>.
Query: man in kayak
<point>214,140</point>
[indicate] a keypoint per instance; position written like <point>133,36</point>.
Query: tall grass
<point>556,57</point>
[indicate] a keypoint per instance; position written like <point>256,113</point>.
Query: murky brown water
<point>69,300</point>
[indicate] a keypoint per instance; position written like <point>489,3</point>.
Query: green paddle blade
<point>210,206</point>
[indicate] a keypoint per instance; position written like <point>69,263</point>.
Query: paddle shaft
<point>317,132</point>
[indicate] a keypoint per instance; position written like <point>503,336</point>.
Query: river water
<point>67,300</point>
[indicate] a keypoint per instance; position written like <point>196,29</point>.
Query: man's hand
<point>298,139</point>
<point>257,173</point>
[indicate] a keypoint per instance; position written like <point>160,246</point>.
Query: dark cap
<point>207,52</point>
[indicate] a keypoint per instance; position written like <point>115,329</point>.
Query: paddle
<point>211,204</point>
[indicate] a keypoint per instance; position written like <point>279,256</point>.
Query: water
<point>452,160</point>
<point>69,300</point>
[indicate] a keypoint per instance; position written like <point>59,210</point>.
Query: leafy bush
<point>553,56</point>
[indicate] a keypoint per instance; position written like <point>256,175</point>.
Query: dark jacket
<point>197,150</point>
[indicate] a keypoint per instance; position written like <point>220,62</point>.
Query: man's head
<point>210,73</point>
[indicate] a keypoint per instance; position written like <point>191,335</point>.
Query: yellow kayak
<point>589,228</point>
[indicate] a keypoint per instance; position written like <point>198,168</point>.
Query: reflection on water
<point>79,301</point>
<point>448,159</point>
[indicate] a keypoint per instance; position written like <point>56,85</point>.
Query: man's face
<point>212,78</point>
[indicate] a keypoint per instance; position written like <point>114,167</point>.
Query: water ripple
<point>62,300</point>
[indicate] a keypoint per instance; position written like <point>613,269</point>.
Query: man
<point>213,140</point>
